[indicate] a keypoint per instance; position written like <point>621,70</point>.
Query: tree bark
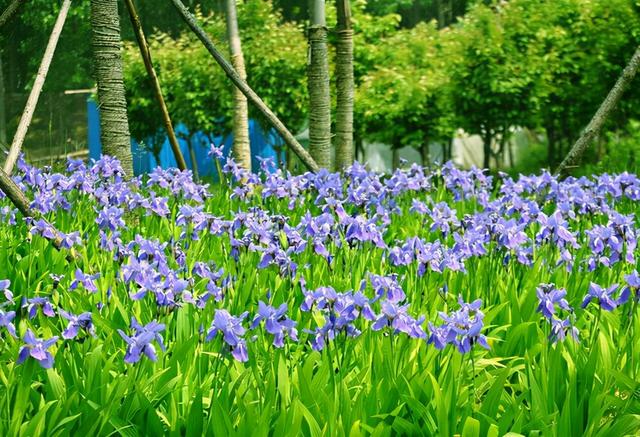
<point>157,90</point>
<point>395,157</point>
<point>3,107</point>
<point>10,11</point>
<point>231,73</point>
<point>19,200</point>
<point>107,58</point>
<point>241,146</point>
<point>424,152</point>
<point>551,146</point>
<point>32,101</point>
<point>318,86</point>
<point>602,114</point>
<point>344,87</point>
<point>487,138</point>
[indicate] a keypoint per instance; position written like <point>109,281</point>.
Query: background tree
<point>114,125</point>
<point>198,92</point>
<point>344,86</point>
<point>241,147</point>
<point>318,86</point>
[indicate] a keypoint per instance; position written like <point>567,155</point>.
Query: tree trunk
<point>344,87</point>
<point>107,64</point>
<point>604,111</point>
<point>10,11</point>
<point>241,147</point>
<point>34,95</point>
<point>359,146</point>
<point>318,86</point>
<point>424,152</point>
<point>251,95</point>
<point>157,90</point>
<point>551,145</point>
<point>395,156</point>
<point>486,144</point>
<point>3,107</point>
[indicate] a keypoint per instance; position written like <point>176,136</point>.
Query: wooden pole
<point>604,111</point>
<point>231,73</point>
<point>30,107</point>
<point>146,57</point>
<point>10,11</point>
<point>17,197</point>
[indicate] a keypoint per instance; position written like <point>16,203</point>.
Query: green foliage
<point>370,385</point>
<point>404,100</point>
<point>196,89</point>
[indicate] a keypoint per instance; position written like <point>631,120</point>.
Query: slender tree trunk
<point>486,144</point>
<point>551,146</point>
<point>3,107</point>
<point>344,87</point>
<point>32,101</point>
<point>153,77</point>
<point>241,147</point>
<point>395,156</point>
<point>251,95</point>
<point>107,58</point>
<point>424,152</point>
<point>604,111</point>
<point>359,146</point>
<point>10,11</point>
<point>318,85</point>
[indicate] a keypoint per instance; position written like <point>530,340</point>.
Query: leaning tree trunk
<point>602,114</point>
<point>344,87</point>
<point>241,147</point>
<point>107,58</point>
<point>10,11</point>
<point>34,95</point>
<point>318,84</point>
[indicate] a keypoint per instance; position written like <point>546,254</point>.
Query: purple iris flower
<point>461,328</point>
<point>276,323</point>
<point>36,348</point>
<point>216,152</point>
<point>387,286</point>
<point>633,282</point>
<point>4,288</point>
<point>395,316</point>
<point>140,342</point>
<point>43,228</point>
<point>87,281</point>
<point>561,328</point>
<point>232,332</point>
<point>111,218</point>
<point>32,305</point>
<point>76,323</point>
<point>605,297</point>
<point>6,320</point>
<point>549,296</point>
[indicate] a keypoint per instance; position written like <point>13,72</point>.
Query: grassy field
<point>420,303</point>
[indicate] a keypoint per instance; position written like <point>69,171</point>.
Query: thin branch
<point>288,137</point>
<point>146,57</point>
<point>10,11</point>
<point>30,107</point>
<point>604,111</point>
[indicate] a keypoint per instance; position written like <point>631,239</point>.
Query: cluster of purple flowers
<point>552,304</point>
<point>351,210</point>
<point>461,328</point>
